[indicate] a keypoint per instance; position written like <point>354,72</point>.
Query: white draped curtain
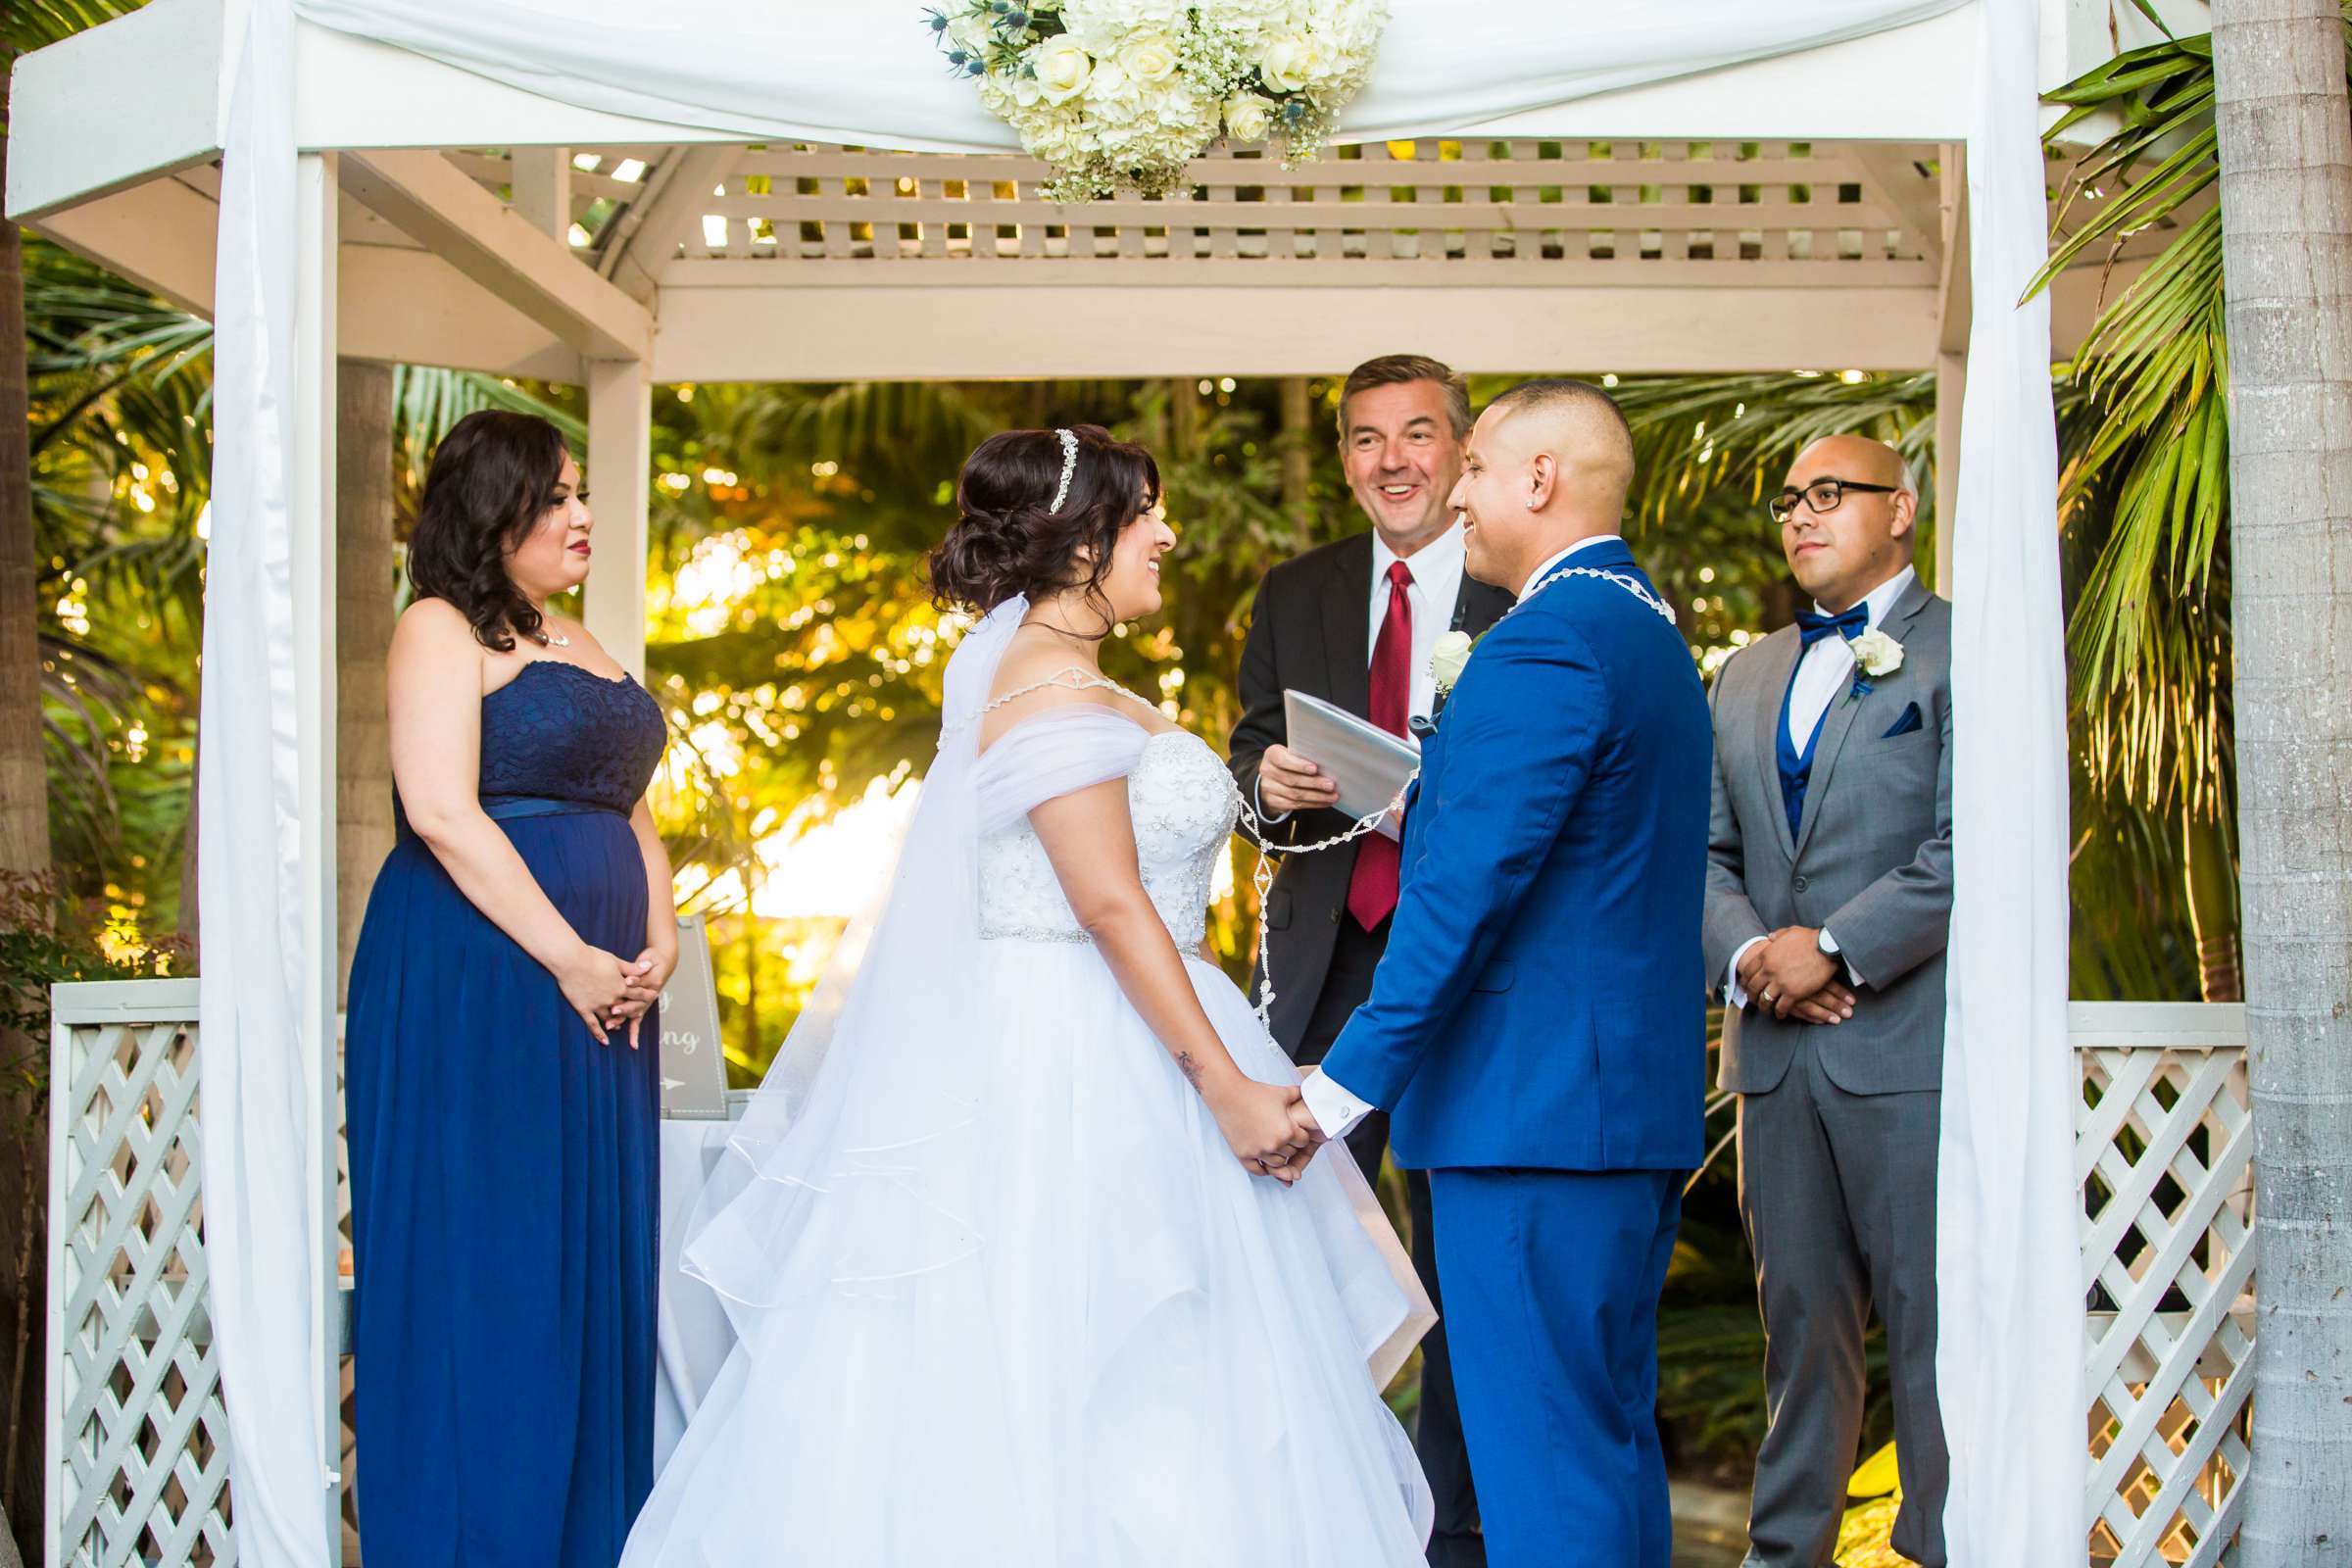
<point>2010,1300</point>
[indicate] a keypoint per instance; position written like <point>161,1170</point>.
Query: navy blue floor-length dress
<point>504,1168</point>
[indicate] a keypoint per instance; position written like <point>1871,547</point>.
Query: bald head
<point>1850,504</point>
<point>1548,464</point>
<point>1856,456</point>
<point>1580,426</point>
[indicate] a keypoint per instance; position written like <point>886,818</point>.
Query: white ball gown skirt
<point>1038,1316</point>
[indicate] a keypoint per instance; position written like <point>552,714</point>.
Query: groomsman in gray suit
<point>1828,899</point>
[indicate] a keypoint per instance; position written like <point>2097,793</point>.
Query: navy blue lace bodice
<point>561,732</point>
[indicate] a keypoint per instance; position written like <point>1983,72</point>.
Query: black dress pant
<point>1454,1542</point>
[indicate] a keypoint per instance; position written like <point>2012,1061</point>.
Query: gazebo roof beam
<point>70,140</point>
<point>1914,200</point>
<point>649,231</point>
<point>160,235</point>
<point>436,204</point>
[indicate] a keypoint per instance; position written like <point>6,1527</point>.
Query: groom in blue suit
<point>1536,1030</point>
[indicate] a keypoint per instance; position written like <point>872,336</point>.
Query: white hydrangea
<point>1101,25</point>
<point>1116,94</point>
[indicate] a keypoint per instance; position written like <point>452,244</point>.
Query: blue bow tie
<point>1849,625</point>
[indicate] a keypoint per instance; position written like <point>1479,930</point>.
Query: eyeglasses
<point>1822,495</point>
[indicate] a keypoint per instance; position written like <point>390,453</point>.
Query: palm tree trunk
<point>24,787</point>
<point>363,636</point>
<point>2286,135</point>
<point>24,851</point>
<point>1297,458</point>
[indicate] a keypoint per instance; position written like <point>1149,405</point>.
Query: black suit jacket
<point>1309,630</point>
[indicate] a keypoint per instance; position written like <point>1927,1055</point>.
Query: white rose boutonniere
<point>1446,659</point>
<point>1876,655</point>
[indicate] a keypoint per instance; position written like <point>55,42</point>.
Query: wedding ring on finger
<point>1771,995</point>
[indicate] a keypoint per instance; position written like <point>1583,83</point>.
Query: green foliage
<point>2145,489</point>
<point>43,943</point>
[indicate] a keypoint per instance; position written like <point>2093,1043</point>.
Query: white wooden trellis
<point>137,1455</point>
<point>1504,209</point>
<point>2163,1150</point>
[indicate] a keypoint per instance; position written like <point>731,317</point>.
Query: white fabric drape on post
<point>2010,1363</point>
<point>258,1105</point>
<point>2008,1270</point>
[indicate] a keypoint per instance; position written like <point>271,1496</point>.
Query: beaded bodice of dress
<point>559,732</point>
<point>1184,805</point>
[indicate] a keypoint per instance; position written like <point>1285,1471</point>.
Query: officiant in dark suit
<point>1354,624</point>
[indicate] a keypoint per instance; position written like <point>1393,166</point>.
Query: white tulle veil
<point>863,1169</point>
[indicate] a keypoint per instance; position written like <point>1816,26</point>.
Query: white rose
<point>1149,56</point>
<point>1877,653</point>
<point>1289,64</point>
<point>1063,69</point>
<point>1447,655</point>
<point>1247,119</point>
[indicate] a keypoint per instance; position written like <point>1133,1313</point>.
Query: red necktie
<point>1372,887</point>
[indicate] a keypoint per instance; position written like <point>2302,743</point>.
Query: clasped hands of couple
<point>1267,1126</point>
<point>1788,973</point>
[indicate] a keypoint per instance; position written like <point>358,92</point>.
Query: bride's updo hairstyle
<point>491,481</point>
<point>1011,539</point>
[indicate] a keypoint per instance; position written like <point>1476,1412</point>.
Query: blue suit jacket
<point>1541,999</point>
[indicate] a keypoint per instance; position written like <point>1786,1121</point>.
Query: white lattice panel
<point>1533,205</point>
<point>138,1440</point>
<point>2163,1150</point>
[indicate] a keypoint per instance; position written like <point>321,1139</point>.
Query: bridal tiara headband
<point>1070,466</point>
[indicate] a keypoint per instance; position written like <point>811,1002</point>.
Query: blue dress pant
<point>1551,1282</point>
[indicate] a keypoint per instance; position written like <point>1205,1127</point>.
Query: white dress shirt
<point>1826,669</point>
<point>1337,1110</point>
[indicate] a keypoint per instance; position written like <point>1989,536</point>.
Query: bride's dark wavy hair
<point>1009,539</point>
<point>491,481</point>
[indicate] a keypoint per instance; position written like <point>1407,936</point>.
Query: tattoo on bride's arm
<point>1190,1068</point>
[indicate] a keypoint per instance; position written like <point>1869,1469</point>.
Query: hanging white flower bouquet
<point>1125,93</point>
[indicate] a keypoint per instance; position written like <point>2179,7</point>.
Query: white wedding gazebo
<point>616,195</point>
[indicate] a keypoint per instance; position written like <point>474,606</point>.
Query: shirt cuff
<point>1257,799</point>
<point>1732,992</point>
<point>1334,1109</point>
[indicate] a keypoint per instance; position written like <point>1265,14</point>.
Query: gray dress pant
<point>1837,1192</point>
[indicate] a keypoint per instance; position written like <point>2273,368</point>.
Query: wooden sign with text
<point>694,1070</point>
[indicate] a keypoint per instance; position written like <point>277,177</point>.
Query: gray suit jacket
<point>1872,860</point>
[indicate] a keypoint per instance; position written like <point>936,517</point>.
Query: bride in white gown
<point>1026,1267</point>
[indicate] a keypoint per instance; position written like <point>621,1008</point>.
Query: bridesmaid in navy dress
<point>502,1088</point>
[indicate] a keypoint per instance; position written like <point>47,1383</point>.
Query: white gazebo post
<point>1953,316</point>
<point>620,461</point>
<point>311,513</point>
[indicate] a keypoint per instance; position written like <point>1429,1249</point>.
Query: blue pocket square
<point>1906,725</point>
